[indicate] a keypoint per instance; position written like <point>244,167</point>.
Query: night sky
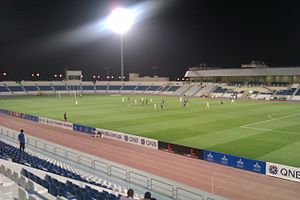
<point>47,37</point>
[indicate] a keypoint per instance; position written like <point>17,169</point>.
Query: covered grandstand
<point>255,75</point>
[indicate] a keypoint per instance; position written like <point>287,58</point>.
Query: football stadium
<point>210,133</point>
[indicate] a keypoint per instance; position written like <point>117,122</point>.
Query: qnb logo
<point>126,138</point>
<point>273,169</point>
<point>290,173</point>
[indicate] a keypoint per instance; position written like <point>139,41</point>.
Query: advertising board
<point>236,161</point>
<point>133,139</point>
<point>56,123</point>
<point>283,171</point>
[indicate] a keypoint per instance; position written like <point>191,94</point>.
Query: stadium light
<point>120,21</point>
<point>94,76</point>
<point>55,75</point>
<point>60,75</point>
<point>37,74</point>
<point>4,73</point>
<point>98,76</point>
<point>32,75</point>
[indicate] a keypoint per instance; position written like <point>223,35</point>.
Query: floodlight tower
<point>120,21</point>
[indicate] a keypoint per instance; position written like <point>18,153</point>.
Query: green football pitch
<point>268,131</point>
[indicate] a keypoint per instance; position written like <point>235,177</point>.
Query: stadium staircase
<point>193,90</point>
<point>182,90</point>
<point>205,91</point>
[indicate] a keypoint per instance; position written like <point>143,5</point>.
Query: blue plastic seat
<point>70,189</point>
<point>78,194</point>
<point>52,190</point>
<point>45,184</point>
<point>60,191</point>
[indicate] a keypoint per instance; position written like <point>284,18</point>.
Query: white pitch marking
<point>266,129</point>
<point>269,120</point>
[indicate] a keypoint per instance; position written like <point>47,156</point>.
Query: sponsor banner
<point>142,141</point>
<point>182,150</point>
<point>7,112</point>
<point>283,171</point>
<point>20,115</point>
<point>56,123</point>
<point>17,114</point>
<point>31,118</point>
<point>235,161</point>
<point>84,129</point>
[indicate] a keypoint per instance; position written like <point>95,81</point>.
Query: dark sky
<point>46,37</point>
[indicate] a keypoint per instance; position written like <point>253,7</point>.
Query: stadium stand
<point>14,88</point>
<point>59,179</point>
<point>183,89</point>
<point>44,87</point>
<point>30,87</point>
<point>193,90</point>
<point>11,152</point>
<point>251,90</point>
<point>88,87</point>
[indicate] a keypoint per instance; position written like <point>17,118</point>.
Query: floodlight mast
<point>120,21</point>
<point>122,58</point>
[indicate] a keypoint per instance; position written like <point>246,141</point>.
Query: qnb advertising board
<point>56,123</point>
<point>142,141</point>
<point>236,161</point>
<point>283,171</point>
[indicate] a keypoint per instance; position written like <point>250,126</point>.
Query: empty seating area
<point>154,88</point>
<point>15,88</point>
<point>28,158</point>
<point>68,189</point>
<point>165,88</point>
<point>219,90</point>
<point>3,89</point>
<point>114,87</point>
<point>281,92</point>
<point>257,84</point>
<point>290,91</point>
<point>30,88</point>
<point>45,88</point>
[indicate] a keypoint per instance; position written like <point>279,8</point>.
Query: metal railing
<point>165,188</point>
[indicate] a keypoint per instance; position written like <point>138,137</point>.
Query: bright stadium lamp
<point>120,21</point>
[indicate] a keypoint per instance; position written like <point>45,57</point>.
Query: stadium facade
<point>245,74</point>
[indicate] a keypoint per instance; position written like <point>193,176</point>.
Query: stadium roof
<point>289,71</point>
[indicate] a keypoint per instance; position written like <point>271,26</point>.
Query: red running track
<point>228,182</point>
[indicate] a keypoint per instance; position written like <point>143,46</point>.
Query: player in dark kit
<point>65,117</point>
<point>162,104</point>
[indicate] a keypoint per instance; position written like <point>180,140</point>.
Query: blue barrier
<point>235,161</point>
<point>85,129</point>
<point>7,112</point>
<point>31,118</point>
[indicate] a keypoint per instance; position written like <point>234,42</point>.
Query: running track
<point>228,182</point>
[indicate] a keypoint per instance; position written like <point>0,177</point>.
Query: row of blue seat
<point>69,190</point>
<point>86,87</point>
<point>8,151</point>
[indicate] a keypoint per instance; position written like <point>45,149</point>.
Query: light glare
<point>120,20</point>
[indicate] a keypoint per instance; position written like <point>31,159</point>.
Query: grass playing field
<point>261,130</point>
